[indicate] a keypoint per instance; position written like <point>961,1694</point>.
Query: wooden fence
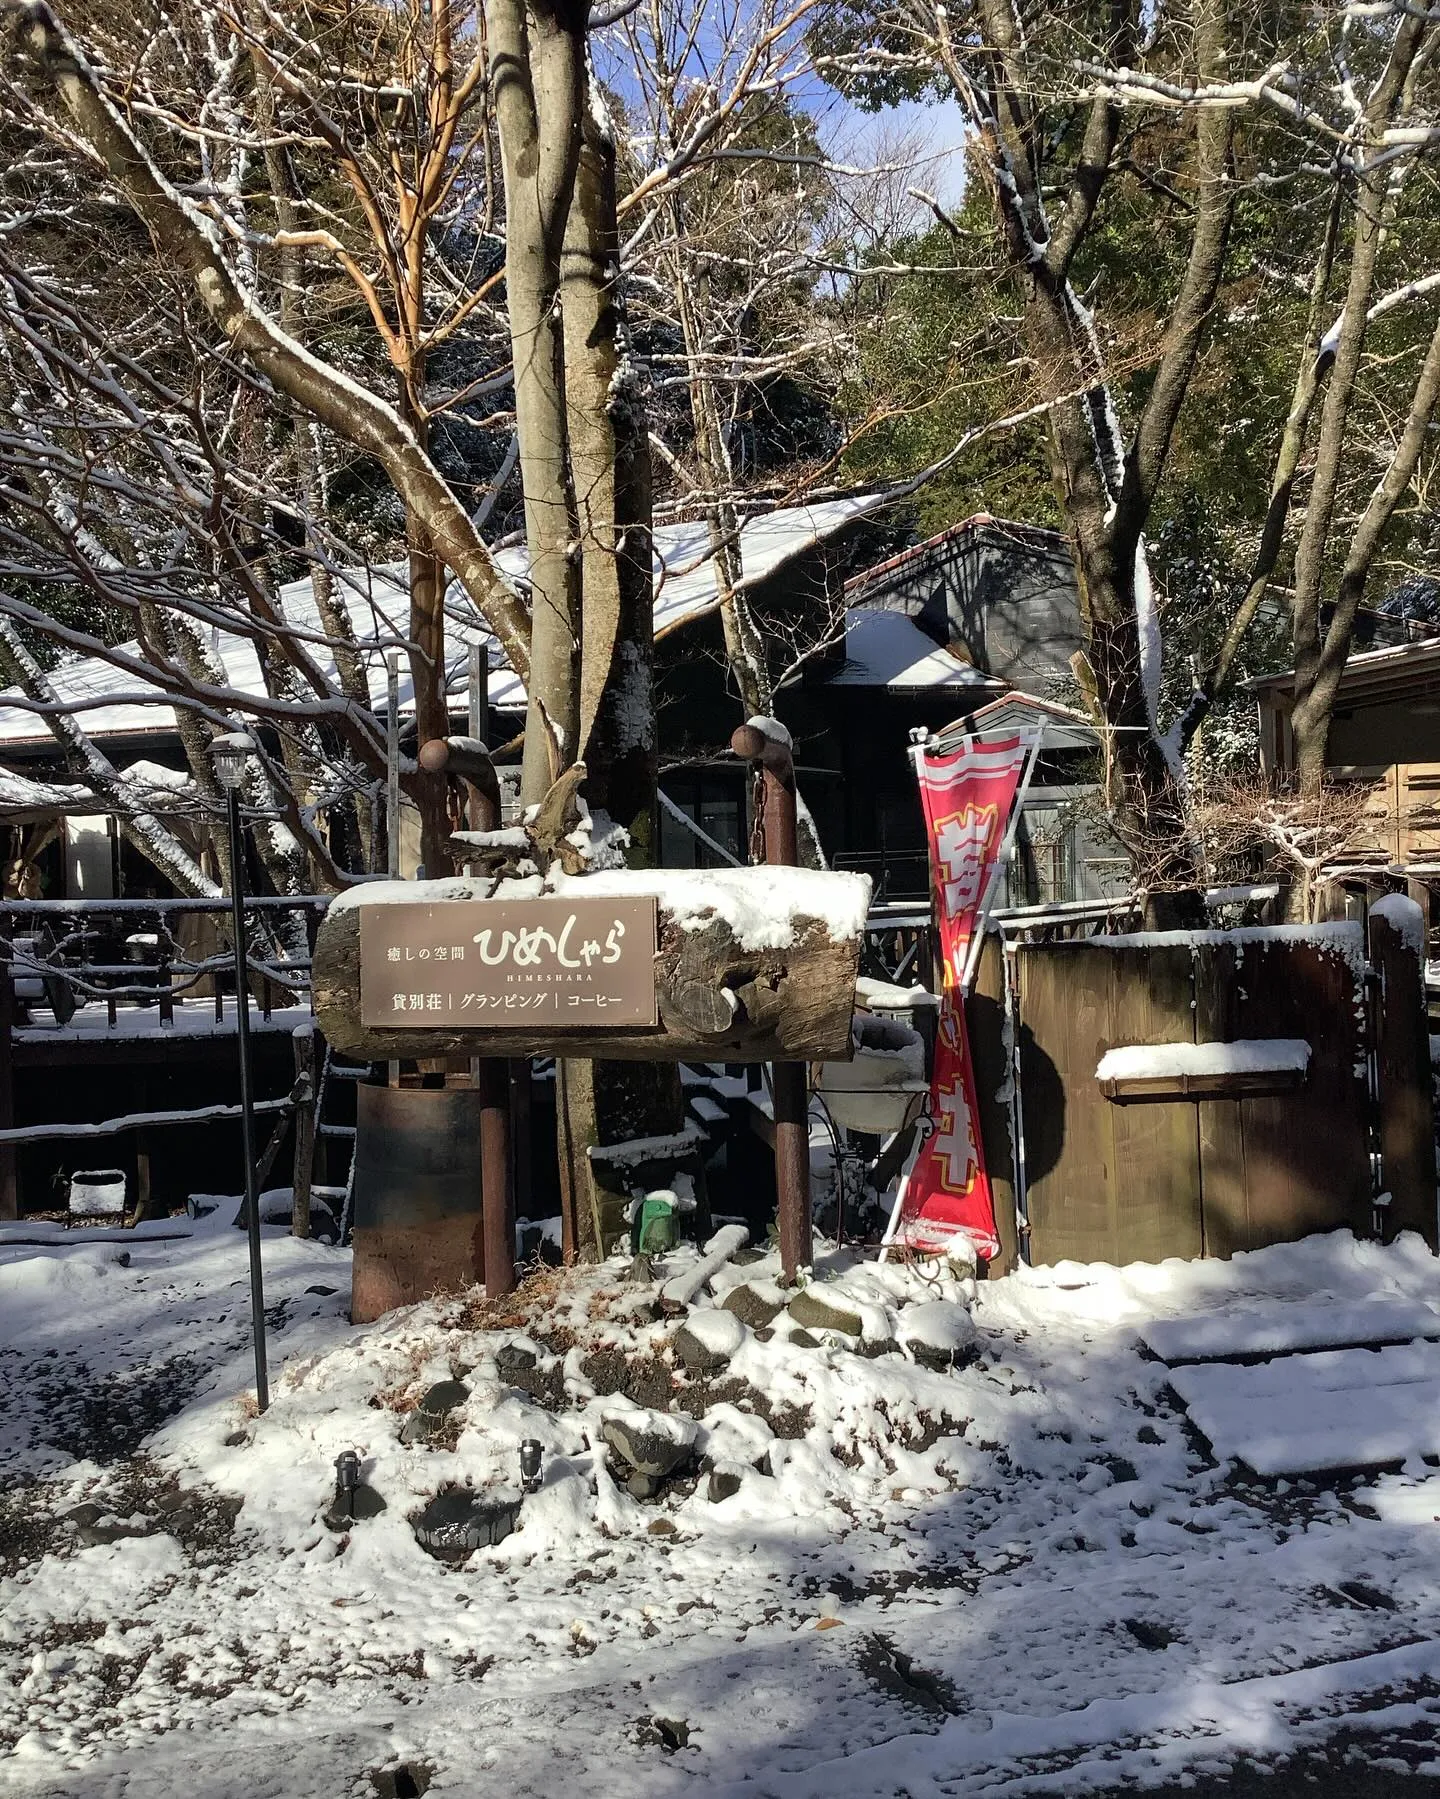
<point>1204,1167</point>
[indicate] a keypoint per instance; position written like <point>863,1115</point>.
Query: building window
<point>1042,870</point>
<point>716,804</point>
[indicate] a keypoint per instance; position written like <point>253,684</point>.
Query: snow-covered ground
<point>1023,1574</point>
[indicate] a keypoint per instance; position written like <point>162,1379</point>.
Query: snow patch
<point>1405,918</point>
<point>1247,1055</point>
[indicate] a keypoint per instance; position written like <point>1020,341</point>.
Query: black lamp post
<point>231,754</point>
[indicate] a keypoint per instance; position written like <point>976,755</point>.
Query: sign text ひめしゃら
<point>494,964</point>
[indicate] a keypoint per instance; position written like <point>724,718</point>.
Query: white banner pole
<point>987,901</point>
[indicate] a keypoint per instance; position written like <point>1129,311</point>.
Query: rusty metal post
<point>492,1077</point>
<point>468,760</point>
<point>767,743</point>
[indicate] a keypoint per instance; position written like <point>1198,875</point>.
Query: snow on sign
<point>581,963</point>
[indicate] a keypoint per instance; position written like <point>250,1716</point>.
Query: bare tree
<point>1087,121</point>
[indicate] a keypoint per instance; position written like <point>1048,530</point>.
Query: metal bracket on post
<point>766,743</point>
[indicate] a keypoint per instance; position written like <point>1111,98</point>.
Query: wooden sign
<point>761,973</point>
<point>547,964</point>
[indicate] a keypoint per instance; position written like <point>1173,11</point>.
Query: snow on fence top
<point>1248,1055</point>
<point>112,701</point>
<point>760,906</point>
<point>1344,938</point>
<point>1405,918</point>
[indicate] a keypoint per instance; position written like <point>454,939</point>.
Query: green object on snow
<point>657,1224</point>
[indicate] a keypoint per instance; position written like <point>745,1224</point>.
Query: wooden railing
<point>68,954</point>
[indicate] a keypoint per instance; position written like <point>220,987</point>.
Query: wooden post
<point>142,1178</point>
<point>467,759</point>
<point>167,991</point>
<point>9,1192</point>
<point>521,1072</point>
<point>392,791</point>
<point>497,1196</point>
<point>768,744</point>
<point>303,1042</point>
<point>1402,1050</point>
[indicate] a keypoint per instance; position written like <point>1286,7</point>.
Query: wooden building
<point>1384,734</point>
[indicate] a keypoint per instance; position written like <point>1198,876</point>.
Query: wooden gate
<point>1230,1162</point>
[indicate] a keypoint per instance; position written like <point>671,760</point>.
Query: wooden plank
<point>1306,1154</point>
<point>718,999</point>
<point>104,1051</point>
<point>990,1058</point>
<point>1157,1147</point>
<point>1407,1119</point>
<point>1065,1002</point>
<point>1224,1191</point>
<point>1167,1089</point>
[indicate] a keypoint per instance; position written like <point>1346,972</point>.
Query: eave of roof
<point>1397,666</point>
<point>976,522</point>
<point>112,704</point>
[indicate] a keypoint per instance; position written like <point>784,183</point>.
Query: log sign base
<point>729,965</point>
<point>734,965</point>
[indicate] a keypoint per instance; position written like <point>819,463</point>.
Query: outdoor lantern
<point>530,1452</point>
<point>230,753</point>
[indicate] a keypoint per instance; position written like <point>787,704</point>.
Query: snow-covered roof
<point>1063,726</point>
<point>886,649</point>
<point>159,789</point>
<point>1035,536</point>
<point>110,702</point>
<point>1368,668</point>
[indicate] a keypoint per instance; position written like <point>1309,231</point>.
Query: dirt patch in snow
<point>104,1416</point>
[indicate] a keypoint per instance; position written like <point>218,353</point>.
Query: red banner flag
<point>967,798</point>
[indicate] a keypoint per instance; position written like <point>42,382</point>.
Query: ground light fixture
<point>347,1478</point>
<point>231,753</point>
<point>530,1476</point>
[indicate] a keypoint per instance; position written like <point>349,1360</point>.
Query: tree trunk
<point>183,241</point>
<point>607,1102</point>
<point>427,675</point>
<point>538,64</point>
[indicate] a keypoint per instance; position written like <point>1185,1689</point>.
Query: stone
<point>660,1527</point>
<point>97,1526</point>
<point>724,1484</point>
<point>516,1365</point>
<point>364,1502</point>
<point>803,1340</point>
<point>752,1307</point>
<point>810,1308</point>
<point>642,1486</point>
<point>874,1347</point>
<point>458,1521</point>
<point>939,1334</point>
<point>651,1443</point>
<point>707,1340</point>
<point>429,1416</point>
